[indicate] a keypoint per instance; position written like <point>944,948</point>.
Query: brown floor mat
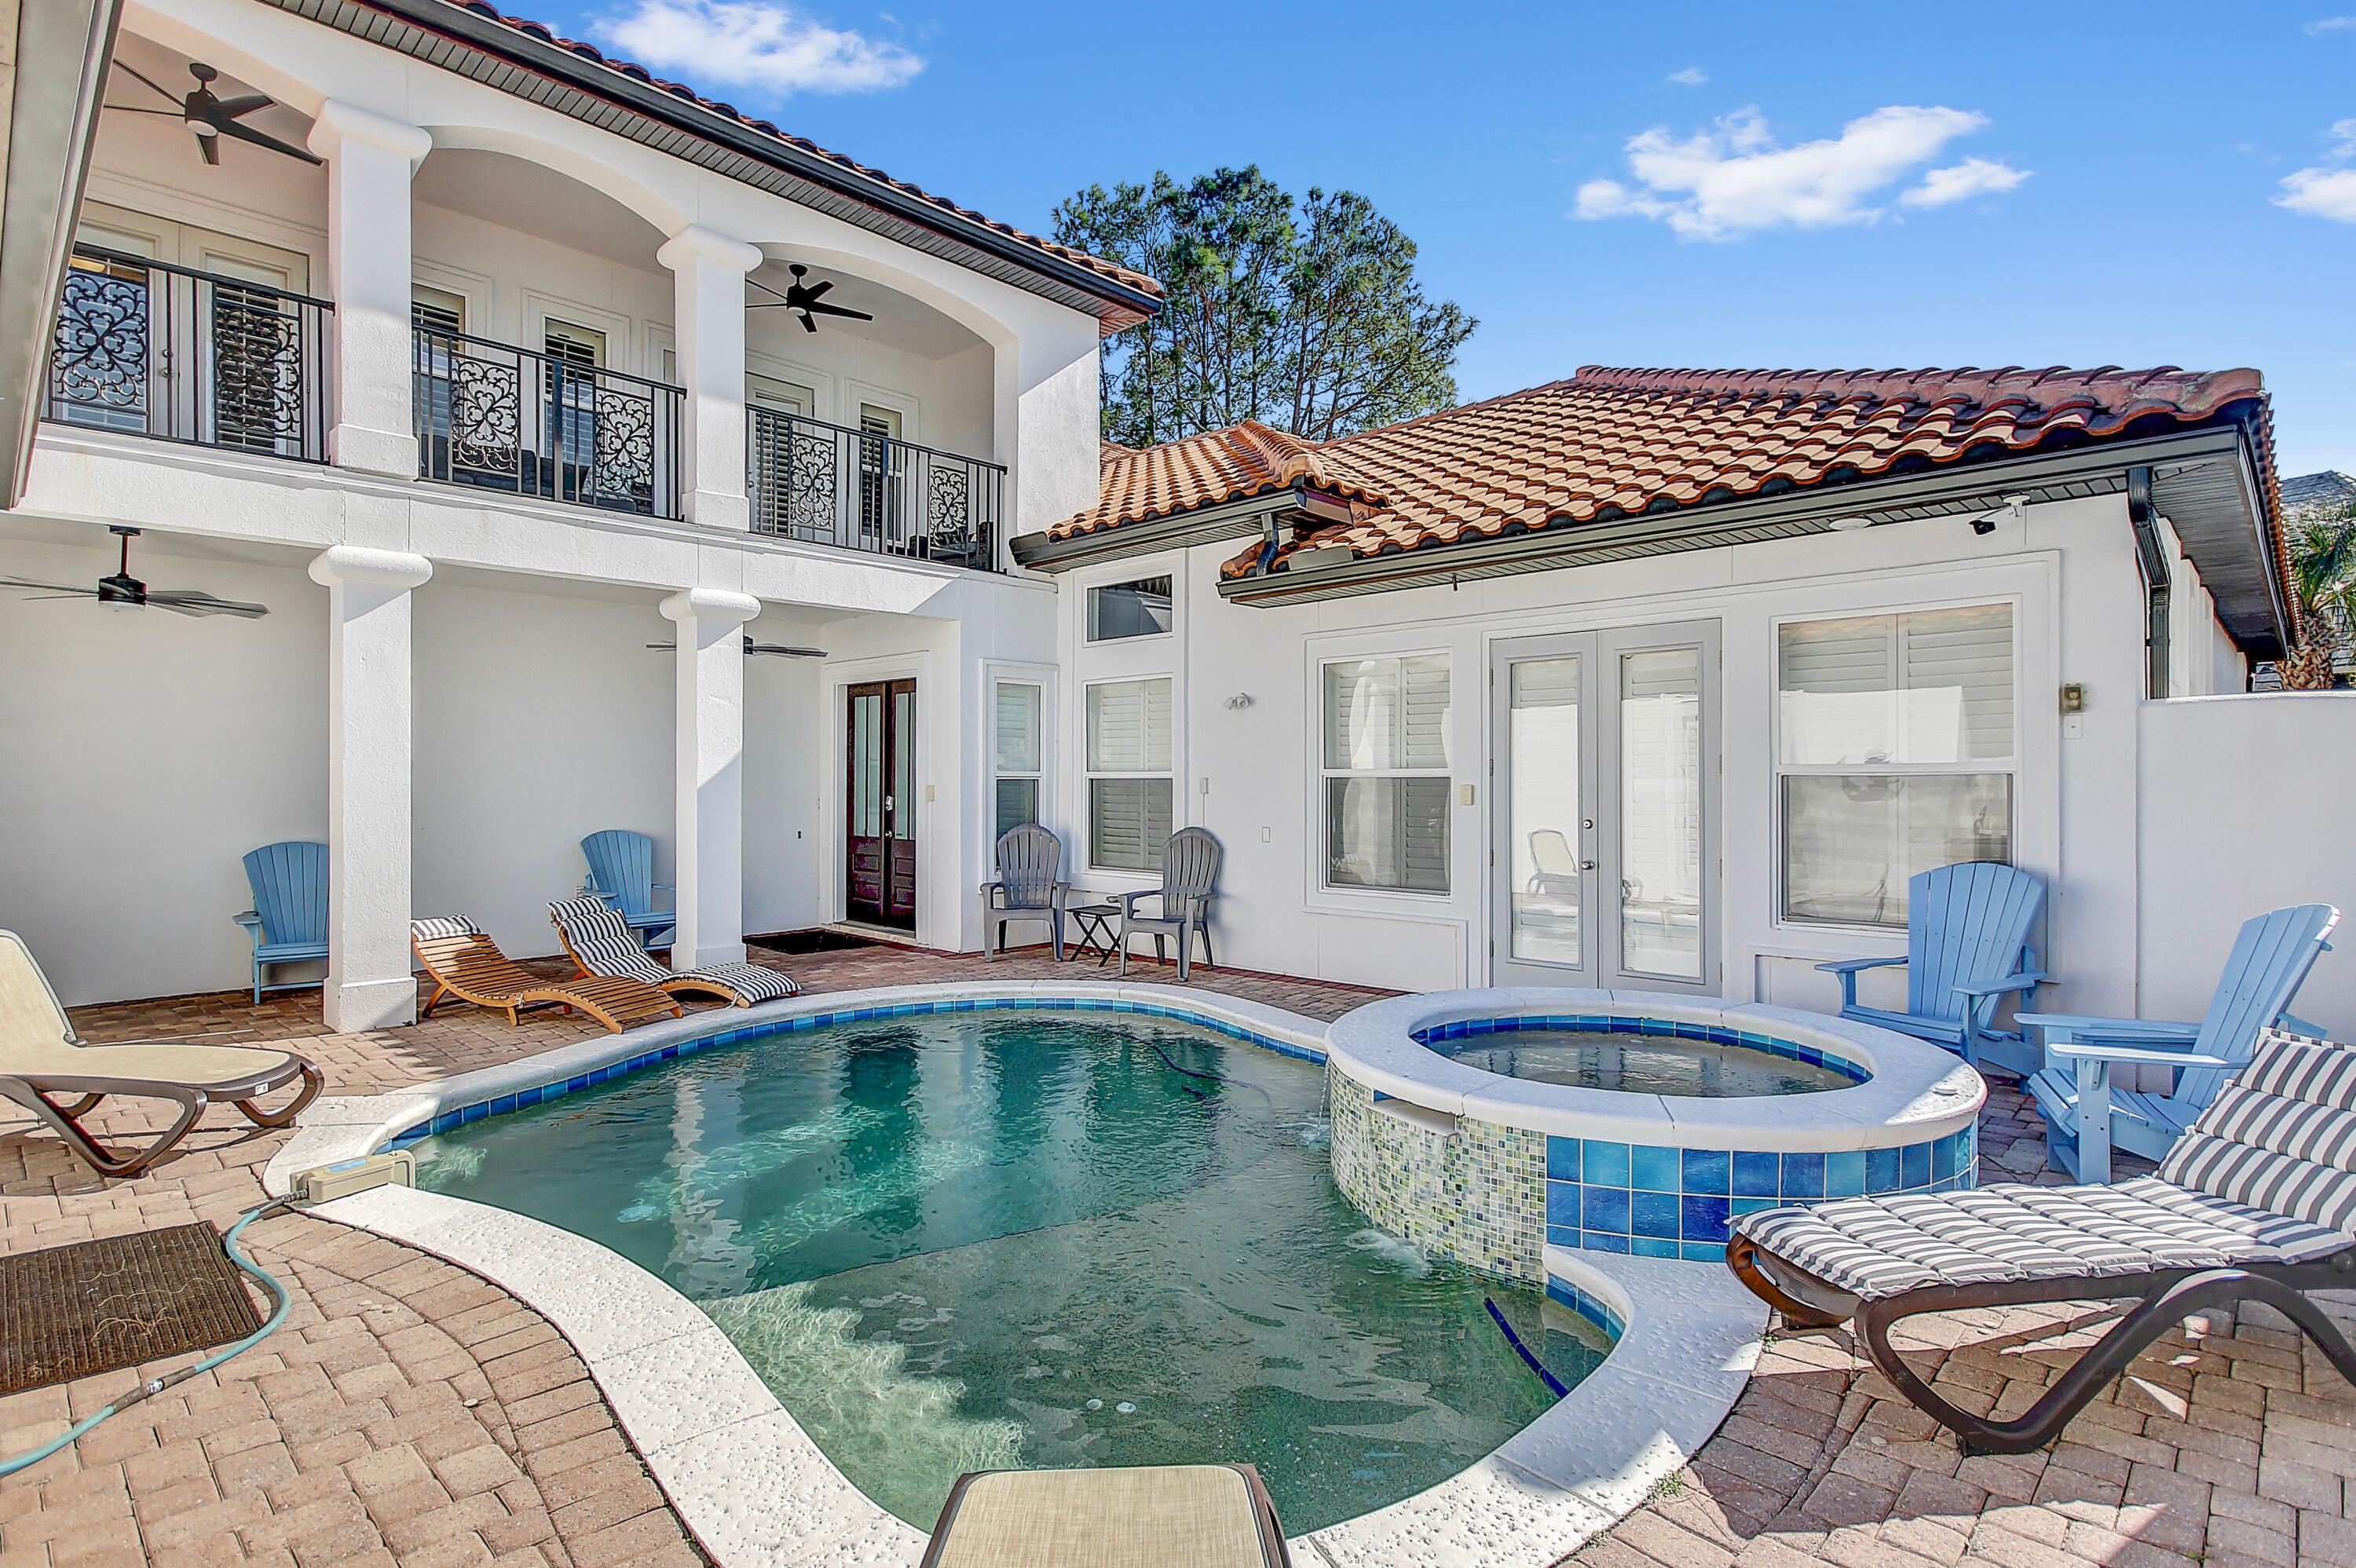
<point>94,1307</point>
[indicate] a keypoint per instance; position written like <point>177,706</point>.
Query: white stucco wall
<point>2241,808</point>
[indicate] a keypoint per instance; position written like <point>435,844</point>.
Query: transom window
<point>1383,756</point>
<point>1898,751</point>
<point>1132,789</point>
<point>1138,609</point>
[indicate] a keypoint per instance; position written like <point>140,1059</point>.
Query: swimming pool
<point>1640,1063</point>
<point>954,1240</point>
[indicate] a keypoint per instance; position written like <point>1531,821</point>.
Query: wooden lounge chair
<point>601,944</point>
<point>2257,1202</point>
<point>622,872</point>
<point>1145,1516</point>
<point>464,962</point>
<point>41,1057</point>
<point>288,921</point>
<point>1190,881</point>
<point>1030,886</point>
<point>2085,1114</point>
<point>1966,949</point>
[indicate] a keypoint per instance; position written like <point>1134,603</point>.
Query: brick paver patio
<point>410,1412</point>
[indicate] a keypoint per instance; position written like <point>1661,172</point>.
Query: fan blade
<point>135,109</point>
<point>169,97</point>
<point>197,602</point>
<point>210,147</point>
<point>811,291</point>
<point>781,651</point>
<point>807,325</point>
<point>263,139</point>
<point>838,310</point>
<point>44,587</point>
<point>243,104</point>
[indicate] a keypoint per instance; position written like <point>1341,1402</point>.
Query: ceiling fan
<point>122,591</point>
<point>804,298</point>
<point>778,650</point>
<point>211,117</point>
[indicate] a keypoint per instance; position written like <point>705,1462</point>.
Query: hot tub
<point>1627,1122</point>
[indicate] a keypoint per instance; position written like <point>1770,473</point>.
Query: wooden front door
<point>879,829</point>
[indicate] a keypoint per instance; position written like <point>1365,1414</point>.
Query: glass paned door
<point>880,816</point>
<point>1605,800</point>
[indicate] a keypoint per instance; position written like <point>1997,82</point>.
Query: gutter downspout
<point>2151,557</point>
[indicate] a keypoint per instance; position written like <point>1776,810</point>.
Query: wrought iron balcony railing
<point>855,489</point>
<point>164,351</point>
<point>510,419</point>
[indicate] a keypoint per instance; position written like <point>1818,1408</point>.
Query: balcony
<point>528,423</point>
<point>196,357</point>
<point>855,489</point>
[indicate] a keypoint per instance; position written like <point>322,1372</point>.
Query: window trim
<point>1320,833</point>
<point>1089,773</point>
<point>2014,768</point>
<point>1043,721</point>
<point>1087,603</point>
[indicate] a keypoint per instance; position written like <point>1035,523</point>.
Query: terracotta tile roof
<point>1109,270</point>
<point>1610,443</point>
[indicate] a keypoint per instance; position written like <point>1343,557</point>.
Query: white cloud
<point>2329,189</point>
<point>755,43</point>
<point>2323,25</point>
<point>1734,179</point>
<point>1961,182</point>
<point>1692,76</point>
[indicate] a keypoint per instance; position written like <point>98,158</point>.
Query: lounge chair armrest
<point>2076,1026</point>
<point>1851,965</point>
<point>1128,901</point>
<point>252,922</point>
<point>2301,1026</point>
<point>665,887</point>
<point>2144,1055</point>
<point>2028,980</point>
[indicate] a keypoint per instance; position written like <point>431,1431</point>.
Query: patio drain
<point>96,1306</point>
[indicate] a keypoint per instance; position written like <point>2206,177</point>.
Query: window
<point>1130,790</point>
<point>1896,753</point>
<point>1015,758</point>
<point>1385,754</point>
<point>1138,609</point>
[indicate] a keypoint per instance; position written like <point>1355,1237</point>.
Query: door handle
<point>1587,865</point>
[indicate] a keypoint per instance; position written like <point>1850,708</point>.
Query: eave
<point>1215,524</point>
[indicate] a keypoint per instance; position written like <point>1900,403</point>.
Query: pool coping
<point>1917,1091</point>
<point>754,1487</point>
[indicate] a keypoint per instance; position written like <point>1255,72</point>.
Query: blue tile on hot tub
<point>1803,1176</point>
<point>1562,1160</point>
<point>1557,1290</point>
<point>1562,1235</point>
<point>1845,1173</point>
<point>1602,1241</point>
<point>1654,1214</point>
<point>1653,1167</point>
<point>1755,1205</point>
<point>1603,1164</point>
<point>1914,1165</point>
<point>1562,1203</point>
<point>1604,1209</point>
<point>1755,1175</point>
<point>1653,1246</point>
<point>1883,1170</point>
<point>1706,1218</point>
<point>1943,1159</point>
<point>1703,1252</point>
<point>1708,1170</point>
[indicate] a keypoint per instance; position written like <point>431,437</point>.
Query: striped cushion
<point>435,928</point>
<point>2282,1135</point>
<point>1877,1247</point>
<point>603,944</point>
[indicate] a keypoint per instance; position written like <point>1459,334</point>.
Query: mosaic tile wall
<point>1477,1196</point>
<point>1660,1202</point>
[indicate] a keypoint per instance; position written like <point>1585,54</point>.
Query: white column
<point>370,160</point>
<point>370,704</point>
<point>708,791</point>
<point>708,323</point>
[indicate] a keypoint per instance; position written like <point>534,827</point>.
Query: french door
<point>1605,776</point>
<point>879,829</point>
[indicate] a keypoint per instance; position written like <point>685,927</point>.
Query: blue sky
<point>1826,184</point>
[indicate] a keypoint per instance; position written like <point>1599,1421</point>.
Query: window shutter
<point>1423,704</point>
<point>1018,728</point>
<point>1129,726</point>
<point>1957,670</point>
<point>1129,823</point>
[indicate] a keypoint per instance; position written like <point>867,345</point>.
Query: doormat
<point>98,1306</point>
<point>818,939</point>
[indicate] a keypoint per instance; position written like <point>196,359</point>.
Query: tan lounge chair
<point>1146,1516</point>
<point>464,962</point>
<point>40,1056</point>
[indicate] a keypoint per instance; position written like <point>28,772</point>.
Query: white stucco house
<point>512,361</point>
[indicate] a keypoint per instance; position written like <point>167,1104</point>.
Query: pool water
<point>1642,1064</point>
<point>962,1240</point>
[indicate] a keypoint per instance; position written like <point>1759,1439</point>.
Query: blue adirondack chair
<point>288,921</point>
<point>1966,949</point>
<point>622,872</point>
<point>2085,1114</point>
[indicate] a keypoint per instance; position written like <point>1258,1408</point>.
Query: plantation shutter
<point>1129,823</point>
<point>1956,668</point>
<point>1931,687</point>
<point>1387,717</point>
<point>1129,726</point>
<point>1018,728</point>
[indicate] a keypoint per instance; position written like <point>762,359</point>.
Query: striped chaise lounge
<point>601,943</point>
<point>2256,1203</point>
<point>464,962</point>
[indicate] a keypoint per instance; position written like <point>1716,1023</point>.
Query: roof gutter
<point>507,43</point>
<point>2151,560</point>
<point>1215,524</point>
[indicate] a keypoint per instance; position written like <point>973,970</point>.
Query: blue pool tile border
<point>522,1099</point>
<point>1435,1035</point>
<point>1590,1307</point>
